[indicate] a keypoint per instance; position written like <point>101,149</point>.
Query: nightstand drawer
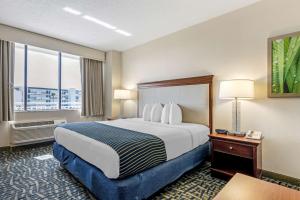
<point>233,148</point>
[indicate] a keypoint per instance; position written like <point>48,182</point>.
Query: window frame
<point>59,68</point>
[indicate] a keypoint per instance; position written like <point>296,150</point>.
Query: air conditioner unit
<point>30,132</point>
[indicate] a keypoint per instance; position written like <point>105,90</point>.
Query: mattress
<point>178,139</point>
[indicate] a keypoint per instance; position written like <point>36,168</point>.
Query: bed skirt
<point>139,186</point>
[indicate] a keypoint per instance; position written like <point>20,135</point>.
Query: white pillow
<point>175,116</point>
<point>165,114</point>
<point>156,112</point>
<point>147,112</point>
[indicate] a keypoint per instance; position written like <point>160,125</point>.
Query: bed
<point>156,154</point>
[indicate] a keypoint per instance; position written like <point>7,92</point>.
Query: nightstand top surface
<point>234,138</point>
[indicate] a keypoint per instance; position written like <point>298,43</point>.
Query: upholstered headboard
<point>194,95</point>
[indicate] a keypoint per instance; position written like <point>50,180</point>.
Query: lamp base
<point>236,115</point>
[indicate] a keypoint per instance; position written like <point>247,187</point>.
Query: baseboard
<point>32,143</point>
<point>281,177</point>
<point>5,148</point>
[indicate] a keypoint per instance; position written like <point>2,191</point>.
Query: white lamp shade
<point>122,94</point>
<point>237,88</point>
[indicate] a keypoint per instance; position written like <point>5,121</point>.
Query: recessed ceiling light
<point>123,32</point>
<point>97,21</point>
<point>72,11</point>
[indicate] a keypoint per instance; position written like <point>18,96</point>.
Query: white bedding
<point>178,139</point>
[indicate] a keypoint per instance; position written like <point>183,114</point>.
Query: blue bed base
<point>139,186</point>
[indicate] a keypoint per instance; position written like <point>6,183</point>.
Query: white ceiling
<point>146,20</point>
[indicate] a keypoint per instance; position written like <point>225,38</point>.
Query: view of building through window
<point>70,82</point>
<point>42,79</point>
<point>19,77</point>
<point>39,89</point>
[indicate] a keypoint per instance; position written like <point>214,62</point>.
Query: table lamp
<point>236,89</point>
<point>122,94</point>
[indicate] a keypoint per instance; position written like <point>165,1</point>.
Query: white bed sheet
<point>178,139</point>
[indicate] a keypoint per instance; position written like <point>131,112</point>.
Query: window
<point>46,79</point>
<point>70,82</point>
<point>19,77</point>
<point>42,79</point>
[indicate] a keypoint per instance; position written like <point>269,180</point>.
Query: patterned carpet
<point>24,177</point>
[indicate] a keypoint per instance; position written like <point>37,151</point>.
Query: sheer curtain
<point>7,53</point>
<point>92,87</point>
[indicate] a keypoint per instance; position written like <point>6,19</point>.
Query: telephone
<point>256,135</point>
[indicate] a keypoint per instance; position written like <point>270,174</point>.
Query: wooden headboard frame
<point>187,81</point>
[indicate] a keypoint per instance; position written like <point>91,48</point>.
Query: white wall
<point>25,37</point>
<point>231,46</point>
<point>112,79</point>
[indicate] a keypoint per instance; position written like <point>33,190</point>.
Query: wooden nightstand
<point>231,154</point>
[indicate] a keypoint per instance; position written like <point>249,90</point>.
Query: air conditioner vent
<point>33,132</point>
<point>39,123</point>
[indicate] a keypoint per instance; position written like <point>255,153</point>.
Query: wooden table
<point>242,187</point>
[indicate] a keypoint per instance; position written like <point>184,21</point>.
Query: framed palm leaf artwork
<point>284,65</point>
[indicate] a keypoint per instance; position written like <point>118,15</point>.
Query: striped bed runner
<point>137,151</point>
